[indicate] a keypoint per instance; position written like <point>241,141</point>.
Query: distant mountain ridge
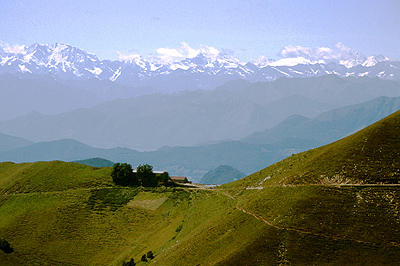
<point>68,62</point>
<point>295,134</point>
<point>221,175</point>
<point>24,92</point>
<point>330,125</point>
<point>8,142</point>
<point>96,162</point>
<point>187,118</point>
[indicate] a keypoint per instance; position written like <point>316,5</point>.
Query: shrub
<point>129,263</point>
<point>5,246</point>
<point>150,255</point>
<point>179,228</point>
<point>144,258</point>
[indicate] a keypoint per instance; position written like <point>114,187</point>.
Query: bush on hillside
<point>144,258</point>
<point>5,246</point>
<point>150,255</point>
<point>179,228</point>
<point>164,180</point>
<point>129,263</point>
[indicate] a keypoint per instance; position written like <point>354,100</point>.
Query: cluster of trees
<point>144,258</point>
<point>123,174</point>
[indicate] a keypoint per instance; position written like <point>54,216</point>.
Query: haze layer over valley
<point>52,79</point>
<point>215,96</point>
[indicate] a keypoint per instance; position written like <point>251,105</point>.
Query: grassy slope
<point>50,176</point>
<point>313,218</point>
<point>299,225</point>
<point>56,213</point>
<point>368,156</point>
<point>296,212</point>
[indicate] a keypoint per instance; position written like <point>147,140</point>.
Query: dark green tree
<point>150,255</point>
<point>164,179</point>
<point>145,169</point>
<point>144,258</point>
<point>146,176</point>
<point>122,174</point>
<point>5,246</point>
<point>129,263</point>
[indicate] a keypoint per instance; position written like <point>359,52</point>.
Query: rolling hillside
<point>192,162</point>
<point>334,205</point>
<point>295,134</point>
<point>369,156</point>
<point>321,207</point>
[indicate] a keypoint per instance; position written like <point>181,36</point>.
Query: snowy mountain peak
<point>38,53</point>
<point>373,60</point>
<point>199,60</point>
<point>67,53</point>
<point>52,55</point>
<point>262,61</point>
<point>139,61</point>
<point>69,62</point>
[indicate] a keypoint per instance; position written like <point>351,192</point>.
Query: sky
<point>247,29</point>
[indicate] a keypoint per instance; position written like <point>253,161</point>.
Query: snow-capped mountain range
<point>68,62</point>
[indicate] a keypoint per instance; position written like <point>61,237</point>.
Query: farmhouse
<point>179,179</point>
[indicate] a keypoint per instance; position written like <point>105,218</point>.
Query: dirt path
<point>301,231</point>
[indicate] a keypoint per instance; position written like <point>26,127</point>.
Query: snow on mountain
<point>292,62</point>
<point>201,70</point>
<point>373,60</point>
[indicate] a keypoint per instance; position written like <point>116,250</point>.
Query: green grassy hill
<point>57,213</point>
<point>96,162</point>
<point>303,210</point>
<point>335,205</point>
<point>367,157</point>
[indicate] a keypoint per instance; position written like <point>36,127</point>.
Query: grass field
<point>292,225</point>
<point>80,221</point>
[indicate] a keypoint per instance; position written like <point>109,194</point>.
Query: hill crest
<point>370,156</point>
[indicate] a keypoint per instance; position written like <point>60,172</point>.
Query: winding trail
<point>300,231</point>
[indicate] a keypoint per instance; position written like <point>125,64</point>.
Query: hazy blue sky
<point>247,28</point>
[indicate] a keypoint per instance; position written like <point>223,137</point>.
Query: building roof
<point>178,177</point>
